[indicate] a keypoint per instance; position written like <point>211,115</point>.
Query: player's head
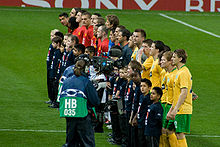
<point>123,35</point>
<point>94,17</point>
<point>112,21</point>
<point>147,46</point>
<point>78,49</point>
<point>166,61</point>
<point>102,32</point>
<point>156,47</point>
<point>159,45</point>
<point>90,50</point>
<point>99,21</point>
<point>179,56</point>
<point>139,36</point>
<point>86,19</point>
<point>145,86</point>
<point>74,11</point>
<point>131,41</point>
<point>63,17</point>
<point>79,16</point>
<point>118,28</point>
<point>112,36</point>
<point>156,94</point>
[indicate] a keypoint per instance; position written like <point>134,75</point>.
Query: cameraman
<point>114,94</point>
<point>78,96</point>
<point>98,79</point>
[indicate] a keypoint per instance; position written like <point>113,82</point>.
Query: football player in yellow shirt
<point>181,109</point>
<point>155,71</point>
<point>168,137</point>
<point>149,61</point>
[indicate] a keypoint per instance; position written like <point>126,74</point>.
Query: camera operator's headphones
<point>85,58</point>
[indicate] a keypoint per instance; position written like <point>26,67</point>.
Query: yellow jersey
<point>146,68</point>
<point>155,74</point>
<point>183,79</point>
<point>134,54</point>
<point>170,85</point>
<point>164,86</point>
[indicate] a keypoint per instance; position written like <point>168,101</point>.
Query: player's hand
<point>168,116</point>
<point>134,122</point>
<point>173,114</point>
<point>130,122</point>
<point>194,96</point>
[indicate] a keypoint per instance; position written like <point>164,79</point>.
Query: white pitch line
<point>63,131</point>
<point>24,130</point>
<point>191,26</point>
<point>204,136</point>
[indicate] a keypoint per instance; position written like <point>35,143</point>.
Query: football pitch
<point>25,120</point>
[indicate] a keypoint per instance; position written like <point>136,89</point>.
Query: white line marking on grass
<point>24,130</point>
<point>63,131</point>
<point>191,26</point>
<point>204,136</point>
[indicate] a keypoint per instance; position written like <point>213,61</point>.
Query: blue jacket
<point>80,87</point>
<point>144,104</point>
<point>50,56</point>
<point>55,63</point>
<point>129,96</point>
<point>70,59</point>
<point>153,121</point>
<point>137,94</point>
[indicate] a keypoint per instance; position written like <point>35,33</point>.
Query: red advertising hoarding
<point>169,5</point>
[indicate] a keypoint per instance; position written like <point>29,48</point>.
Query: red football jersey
<point>93,41</point>
<point>79,32</point>
<point>102,46</point>
<point>87,36</point>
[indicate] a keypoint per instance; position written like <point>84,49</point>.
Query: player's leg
<point>170,130</point>
<point>182,125</point>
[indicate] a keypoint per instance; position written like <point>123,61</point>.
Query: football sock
<point>182,142</point>
<point>172,140</point>
<point>161,143</point>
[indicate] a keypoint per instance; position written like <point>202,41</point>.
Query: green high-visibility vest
<point>73,107</point>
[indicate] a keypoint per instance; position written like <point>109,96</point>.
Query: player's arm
<point>182,97</point>
<point>134,121</point>
<point>130,120</point>
<point>168,114</point>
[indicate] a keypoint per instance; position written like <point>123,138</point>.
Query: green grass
<point>24,43</point>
